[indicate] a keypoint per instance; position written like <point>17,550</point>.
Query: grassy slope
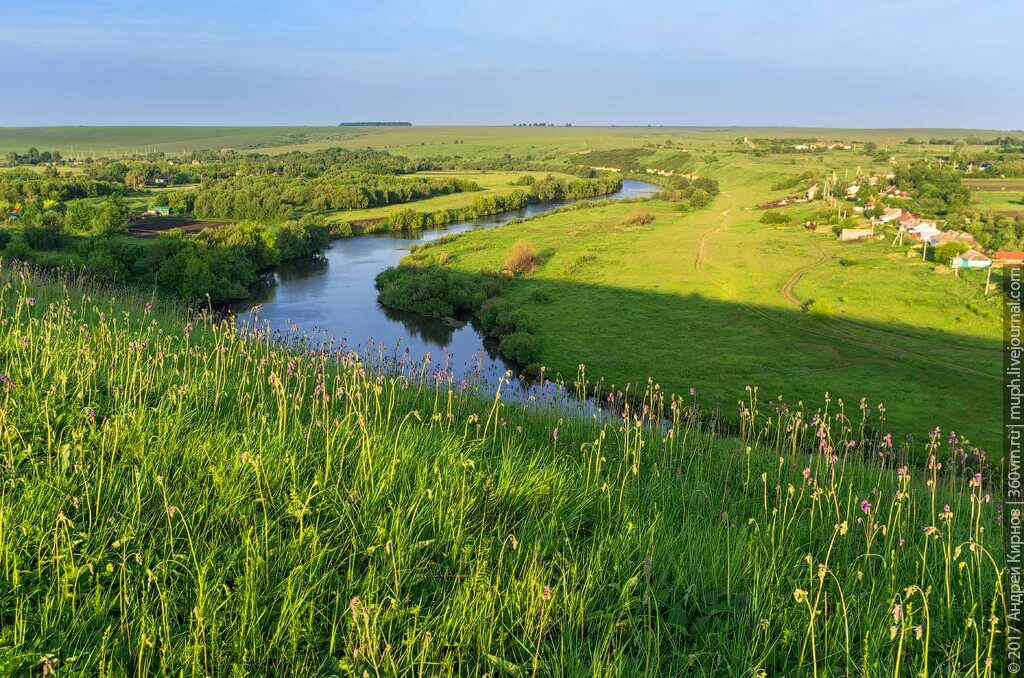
<point>204,503</point>
<point>712,300</point>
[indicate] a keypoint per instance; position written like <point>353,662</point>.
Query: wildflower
<point>897,613</point>
<point>554,434</point>
<point>31,301</point>
<point>546,593</point>
<point>865,506</point>
<point>148,307</point>
<point>892,632</point>
<point>172,511</point>
<point>800,596</point>
<point>976,480</point>
<point>918,632</point>
<point>91,413</point>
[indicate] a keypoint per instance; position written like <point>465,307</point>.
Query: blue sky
<point>900,63</point>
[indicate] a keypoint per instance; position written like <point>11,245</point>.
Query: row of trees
<point>270,198</point>
<point>33,157</point>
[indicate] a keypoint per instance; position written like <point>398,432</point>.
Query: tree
<point>946,251</point>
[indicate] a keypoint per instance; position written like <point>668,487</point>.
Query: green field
<point>492,183</point>
<point>539,142</point>
<point>715,300</point>
<point>180,498</point>
<point>1003,196</point>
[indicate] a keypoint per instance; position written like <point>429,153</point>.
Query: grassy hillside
<point>717,300</point>
<point>179,498</point>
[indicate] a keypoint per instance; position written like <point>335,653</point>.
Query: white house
<point>925,231</point>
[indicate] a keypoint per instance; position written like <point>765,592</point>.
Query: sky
<point>898,63</point>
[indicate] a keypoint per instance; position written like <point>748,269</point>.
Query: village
<point>955,248</point>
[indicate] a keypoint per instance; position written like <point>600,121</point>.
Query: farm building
<point>954,236</point>
<point>970,259</point>
<point>851,234</point>
<point>1004,258</point>
<point>891,214</point>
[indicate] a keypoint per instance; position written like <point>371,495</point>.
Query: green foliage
<point>106,217</point>
<point>434,291</point>
<point>821,309</point>
<point>775,217</point>
<point>39,238</point>
<point>521,348</point>
<point>5,237</point>
<point>946,251</point>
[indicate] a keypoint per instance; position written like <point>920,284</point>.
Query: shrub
<point>700,198</point>
<point>943,253</point>
<point>39,238</point>
<point>522,348</point>
<point>17,249</point>
<point>846,261</point>
<point>775,217</point>
<point>5,237</point>
<point>821,309</point>
<point>522,259</point>
<point>638,215</point>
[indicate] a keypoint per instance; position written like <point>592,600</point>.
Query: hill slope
<point>180,498</point>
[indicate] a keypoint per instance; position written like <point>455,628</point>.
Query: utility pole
<point>988,279</point>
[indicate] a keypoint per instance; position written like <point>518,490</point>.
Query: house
<point>1005,258</point>
<point>924,231</point>
<point>851,234</point>
<point>891,214</point>
<point>801,147</point>
<point>157,211</point>
<point>954,236</point>
<point>970,259</point>
<point>851,190</point>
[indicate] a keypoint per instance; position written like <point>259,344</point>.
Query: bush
<point>39,238</point>
<point>943,253</point>
<point>17,249</point>
<point>775,217</point>
<point>638,215</point>
<point>846,261</point>
<point>522,259</point>
<point>821,309</point>
<point>522,348</point>
<point>700,198</point>
<point>5,237</point>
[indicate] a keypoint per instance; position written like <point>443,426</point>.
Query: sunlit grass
<point>181,498</point>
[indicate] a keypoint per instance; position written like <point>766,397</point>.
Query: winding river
<point>336,297</point>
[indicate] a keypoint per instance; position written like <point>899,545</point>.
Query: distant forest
<point>374,124</point>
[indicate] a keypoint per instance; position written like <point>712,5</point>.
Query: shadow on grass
<point>925,378</point>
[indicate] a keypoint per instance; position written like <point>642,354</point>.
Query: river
<point>336,298</point>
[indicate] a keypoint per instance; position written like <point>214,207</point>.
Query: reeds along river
<point>336,298</point>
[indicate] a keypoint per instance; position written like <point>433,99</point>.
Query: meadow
<point>182,498</point>
<point>492,183</point>
<point>716,300</point>
<point>418,141</point>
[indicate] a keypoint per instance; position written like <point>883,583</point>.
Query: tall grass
<point>179,497</point>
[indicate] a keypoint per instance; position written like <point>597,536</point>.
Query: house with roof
<point>924,231</point>
<point>891,214</point>
<point>970,259</point>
